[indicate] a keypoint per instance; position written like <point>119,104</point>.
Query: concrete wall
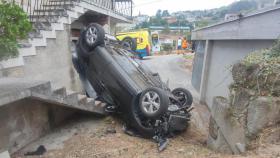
<point>198,64</point>
<point>27,120</point>
<point>221,55</point>
<point>51,63</point>
<point>227,43</point>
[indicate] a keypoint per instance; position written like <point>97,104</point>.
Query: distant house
<point>221,45</point>
<point>229,17</point>
<point>170,19</point>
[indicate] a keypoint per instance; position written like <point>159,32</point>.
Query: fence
<point>37,8</point>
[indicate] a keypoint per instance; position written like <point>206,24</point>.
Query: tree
<point>14,25</point>
<point>159,14</point>
<point>156,21</point>
<point>165,13</point>
<point>240,6</point>
<point>202,23</point>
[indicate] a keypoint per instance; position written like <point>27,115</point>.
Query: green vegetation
<point>160,20</point>
<point>167,47</point>
<point>259,72</point>
<point>14,25</point>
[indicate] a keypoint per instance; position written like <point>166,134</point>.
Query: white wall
<point>51,63</point>
<point>222,56</point>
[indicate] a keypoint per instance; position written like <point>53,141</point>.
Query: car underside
<point>109,72</point>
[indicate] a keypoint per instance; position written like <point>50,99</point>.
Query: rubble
<point>39,151</point>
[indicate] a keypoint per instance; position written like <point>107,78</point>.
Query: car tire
<point>133,120</point>
<point>129,43</point>
<point>182,92</point>
<point>91,37</point>
<point>153,103</point>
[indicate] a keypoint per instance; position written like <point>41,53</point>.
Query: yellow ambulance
<point>142,39</point>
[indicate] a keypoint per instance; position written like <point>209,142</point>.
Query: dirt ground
<point>85,140</point>
<point>86,136</point>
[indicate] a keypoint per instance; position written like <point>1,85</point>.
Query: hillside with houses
<point>200,18</point>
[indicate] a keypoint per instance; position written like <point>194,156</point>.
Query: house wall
<point>51,63</point>
<point>228,42</point>
<point>221,55</point>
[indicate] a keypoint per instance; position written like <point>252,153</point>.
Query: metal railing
<point>121,7</point>
<point>42,8</point>
<point>37,9</point>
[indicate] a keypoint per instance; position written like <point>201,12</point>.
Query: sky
<point>149,7</point>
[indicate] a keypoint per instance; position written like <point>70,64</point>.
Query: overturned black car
<point>146,103</point>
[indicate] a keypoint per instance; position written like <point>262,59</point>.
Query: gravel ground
<point>89,141</point>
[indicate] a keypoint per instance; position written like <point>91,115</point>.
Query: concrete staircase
<point>47,22</point>
<point>16,89</point>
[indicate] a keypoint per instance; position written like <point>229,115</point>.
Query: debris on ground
<point>111,130</point>
<point>39,151</point>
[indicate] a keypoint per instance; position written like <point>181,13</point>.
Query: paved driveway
<point>172,68</point>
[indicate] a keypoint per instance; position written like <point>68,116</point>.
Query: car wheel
<point>135,119</point>
<point>129,43</point>
<point>184,96</point>
<point>93,36</point>
<point>153,103</point>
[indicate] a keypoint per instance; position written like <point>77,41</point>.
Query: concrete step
<point>60,92</point>
<point>13,62</point>
<point>38,42</point>
<point>72,98</point>
<point>57,26</point>
<point>99,107</point>
<point>24,44</point>
<point>51,10</point>
<point>82,99</point>
<point>48,34</point>
<point>35,34</point>
<point>35,18</point>
<point>14,89</point>
<point>42,89</point>
<point>50,13</point>
<point>59,5</point>
<point>27,51</point>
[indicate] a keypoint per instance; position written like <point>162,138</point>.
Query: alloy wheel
<point>151,102</point>
<point>91,35</point>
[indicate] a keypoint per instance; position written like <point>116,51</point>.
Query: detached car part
<point>146,103</point>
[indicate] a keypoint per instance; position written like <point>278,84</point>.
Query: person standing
<point>179,44</point>
<point>185,43</point>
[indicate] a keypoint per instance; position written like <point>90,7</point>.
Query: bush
<point>260,72</point>
<point>167,47</point>
<point>14,25</point>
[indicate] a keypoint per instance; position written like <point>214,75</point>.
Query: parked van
<point>142,39</point>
